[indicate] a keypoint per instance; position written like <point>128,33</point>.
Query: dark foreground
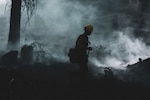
<point>41,82</point>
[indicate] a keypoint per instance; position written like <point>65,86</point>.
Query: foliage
<point>29,6</point>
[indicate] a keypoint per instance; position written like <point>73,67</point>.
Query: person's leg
<point>83,72</point>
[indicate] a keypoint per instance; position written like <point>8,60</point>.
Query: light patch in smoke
<point>108,62</point>
<point>3,7</point>
<point>113,62</point>
<point>124,49</point>
<point>129,48</point>
<point>4,22</point>
<point>97,63</point>
<point>2,4</point>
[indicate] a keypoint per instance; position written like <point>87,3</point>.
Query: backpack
<point>73,55</point>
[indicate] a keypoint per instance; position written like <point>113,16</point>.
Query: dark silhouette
<point>15,17</point>
<point>10,58</point>
<point>83,52</point>
<point>140,59</point>
<point>26,54</point>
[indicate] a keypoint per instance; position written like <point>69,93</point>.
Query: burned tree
<point>14,34</point>
<point>15,18</point>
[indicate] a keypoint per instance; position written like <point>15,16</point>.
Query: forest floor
<point>43,82</point>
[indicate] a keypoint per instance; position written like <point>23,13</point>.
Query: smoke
<point>2,6</point>
<point>123,49</point>
<point>4,23</point>
<point>124,25</point>
<point>57,24</point>
<point>118,38</point>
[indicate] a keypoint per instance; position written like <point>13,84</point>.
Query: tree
<point>14,33</point>
<point>15,18</point>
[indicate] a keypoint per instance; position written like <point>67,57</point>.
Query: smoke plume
<point>120,33</point>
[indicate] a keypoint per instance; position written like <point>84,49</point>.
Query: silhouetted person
<point>140,59</point>
<point>83,51</point>
<point>140,65</point>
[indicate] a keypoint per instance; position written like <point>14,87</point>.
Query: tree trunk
<point>15,17</point>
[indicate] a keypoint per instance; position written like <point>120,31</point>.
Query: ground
<point>52,82</point>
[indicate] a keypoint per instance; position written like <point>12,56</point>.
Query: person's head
<point>88,29</point>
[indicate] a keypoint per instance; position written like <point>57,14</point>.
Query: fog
<point>4,22</point>
<point>118,38</point>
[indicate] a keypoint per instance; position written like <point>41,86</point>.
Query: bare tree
<point>15,18</point>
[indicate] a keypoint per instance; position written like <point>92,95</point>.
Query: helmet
<point>88,28</point>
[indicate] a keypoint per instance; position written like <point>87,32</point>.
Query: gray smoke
<point>4,23</point>
<point>120,33</point>
<point>57,24</point>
